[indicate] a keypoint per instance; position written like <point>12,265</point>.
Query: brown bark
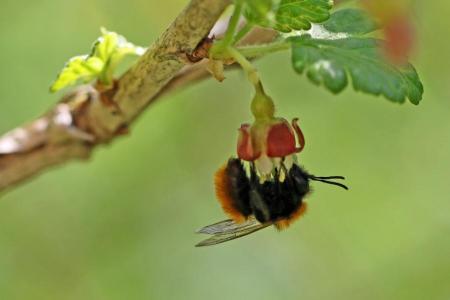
<point>89,117</point>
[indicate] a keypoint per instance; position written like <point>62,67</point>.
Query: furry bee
<point>254,202</point>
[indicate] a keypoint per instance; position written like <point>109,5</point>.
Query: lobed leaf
<point>299,14</point>
<point>334,58</point>
<point>287,15</point>
<point>106,53</point>
<point>351,21</point>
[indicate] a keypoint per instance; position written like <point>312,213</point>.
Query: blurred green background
<point>121,226</point>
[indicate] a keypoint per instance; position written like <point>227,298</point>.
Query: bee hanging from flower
<point>265,185</point>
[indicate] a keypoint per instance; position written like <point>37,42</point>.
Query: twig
<point>87,117</point>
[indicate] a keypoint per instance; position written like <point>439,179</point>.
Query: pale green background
<point>121,226</point>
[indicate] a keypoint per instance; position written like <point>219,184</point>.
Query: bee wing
<point>227,226</point>
<point>229,230</point>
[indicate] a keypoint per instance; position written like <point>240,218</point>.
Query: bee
<point>254,202</point>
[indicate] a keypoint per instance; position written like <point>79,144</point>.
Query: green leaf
<point>257,11</point>
<point>287,15</point>
<point>299,14</point>
<point>351,21</point>
<point>105,55</point>
<point>78,68</point>
<point>332,59</point>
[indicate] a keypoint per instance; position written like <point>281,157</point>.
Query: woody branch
<point>87,118</point>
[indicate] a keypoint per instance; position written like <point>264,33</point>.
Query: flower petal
<point>281,140</point>
<point>245,149</point>
<point>300,136</point>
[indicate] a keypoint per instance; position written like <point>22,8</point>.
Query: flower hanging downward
<point>265,185</point>
<point>267,140</point>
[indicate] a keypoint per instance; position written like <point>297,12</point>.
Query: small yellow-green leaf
<point>79,68</point>
<point>100,64</point>
<point>106,45</point>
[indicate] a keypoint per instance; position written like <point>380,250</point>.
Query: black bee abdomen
<point>269,201</point>
<point>277,200</point>
<point>239,186</point>
<point>276,197</point>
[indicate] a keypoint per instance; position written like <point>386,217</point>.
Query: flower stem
<point>251,71</point>
<point>242,32</point>
<point>262,105</point>
<point>232,25</point>
<point>259,50</point>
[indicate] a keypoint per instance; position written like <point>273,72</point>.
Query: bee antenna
<point>329,177</point>
<point>323,179</point>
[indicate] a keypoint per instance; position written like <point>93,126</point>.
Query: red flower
<point>275,139</point>
<point>268,139</point>
<point>281,139</point>
<point>245,149</point>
